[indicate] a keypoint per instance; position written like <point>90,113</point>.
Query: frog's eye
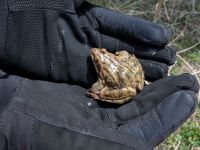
<point>103,50</point>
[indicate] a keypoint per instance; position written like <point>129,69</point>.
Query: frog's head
<point>100,56</point>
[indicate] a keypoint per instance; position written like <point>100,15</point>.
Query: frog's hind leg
<point>118,96</point>
<point>97,86</point>
<point>94,90</point>
<point>140,81</point>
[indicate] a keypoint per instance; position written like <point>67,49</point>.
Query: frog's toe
<point>132,91</point>
<point>93,95</point>
<point>140,86</point>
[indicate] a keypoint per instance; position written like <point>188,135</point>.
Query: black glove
<point>51,40</point>
<point>40,115</point>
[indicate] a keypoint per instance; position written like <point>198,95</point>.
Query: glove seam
<point>34,132</point>
<point>6,111</point>
<point>159,118</point>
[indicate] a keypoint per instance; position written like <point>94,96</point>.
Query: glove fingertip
<point>173,56</point>
<point>166,34</point>
<point>186,81</point>
<point>153,70</point>
<point>192,99</point>
<point>195,87</point>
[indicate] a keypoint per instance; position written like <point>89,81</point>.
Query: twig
<point>189,48</point>
<point>128,4</point>
<point>177,146</point>
<point>191,68</point>
<point>166,12</point>
<point>193,5</point>
<point>173,6</point>
<point>179,35</point>
<point>197,72</point>
<point>158,9</point>
<point>170,69</point>
<point>196,148</point>
<point>176,45</point>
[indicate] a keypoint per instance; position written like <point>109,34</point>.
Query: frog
<point>120,76</point>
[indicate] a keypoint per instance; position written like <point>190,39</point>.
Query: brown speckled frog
<point>120,76</point>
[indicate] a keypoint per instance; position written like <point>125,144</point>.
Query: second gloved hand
<point>40,115</point>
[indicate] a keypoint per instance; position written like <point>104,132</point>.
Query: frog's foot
<point>118,96</point>
<point>120,101</point>
<point>90,94</point>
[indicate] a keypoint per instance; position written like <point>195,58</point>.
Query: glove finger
<point>130,28</point>
<point>153,70</point>
<point>165,54</point>
<point>165,118</point>
<point>154,94</point>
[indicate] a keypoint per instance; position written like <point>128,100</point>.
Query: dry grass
<point>183,17</point>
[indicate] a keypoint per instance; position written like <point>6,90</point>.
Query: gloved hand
<point>51,40</point>
<point>39,115</point>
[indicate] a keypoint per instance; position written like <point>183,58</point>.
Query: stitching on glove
<point>161,122</point>
<point>34,132</point>
<point>3,116</point>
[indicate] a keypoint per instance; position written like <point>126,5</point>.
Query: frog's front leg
<point>95,89</point>
<point>119,96</point>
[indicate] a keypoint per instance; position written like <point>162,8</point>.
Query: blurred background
<point>183,17</point>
